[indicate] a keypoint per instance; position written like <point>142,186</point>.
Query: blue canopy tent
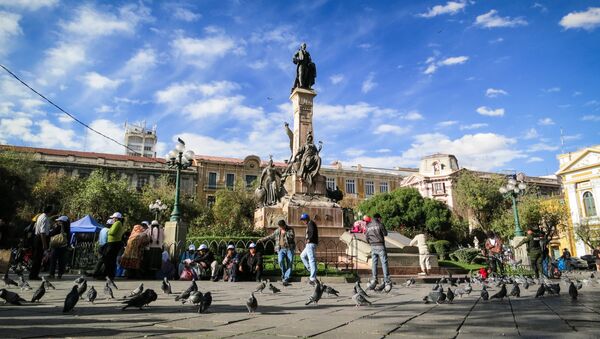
<point>86,224</point>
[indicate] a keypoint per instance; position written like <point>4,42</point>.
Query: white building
<point>140,141</point>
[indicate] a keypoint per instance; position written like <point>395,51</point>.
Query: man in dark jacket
<point>376,238</point>
<point>251,264</point>
<point>308,254</point>
<point>534,241</point>
<point>205,261</point>
<point>285,246</point>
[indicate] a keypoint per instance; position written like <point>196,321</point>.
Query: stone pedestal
<point>302,102</point>
<point>175,234</point>
<point>521,252</point>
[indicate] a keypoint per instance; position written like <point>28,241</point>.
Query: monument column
<point>302,101</point>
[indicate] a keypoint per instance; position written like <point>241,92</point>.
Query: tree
<point>18,174</point>
<point>479,197</point>
<point>54,189</point>
<point>589,234</point>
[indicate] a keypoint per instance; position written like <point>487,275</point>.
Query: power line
<point>69,114</point>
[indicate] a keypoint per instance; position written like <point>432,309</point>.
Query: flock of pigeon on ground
<point>140,297</point>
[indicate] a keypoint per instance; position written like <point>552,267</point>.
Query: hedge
<point>465,255</point>
<point>442,247</point>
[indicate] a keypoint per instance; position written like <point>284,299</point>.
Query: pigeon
<point>501,294</point>
<point>540,291</point>
<point>330,290</point>
<point>388,287</point>
<point>205,302</point>
<point>359,290</point>
<point>261,287</point>
<point>515,291</point>
<point>578,284</point>
<point>484,293</point>
<point>108,292</point>
<point>193,287</point>
<point>436,286</point>
<point>468,288</point>
<point>273,289</point>
<point>553,288</point>
<point>195,298</point>
<point>166,286</point>
<point>186,294</point>
<point>372,284</point>
<point>437,296</point>
<point>39,293</point>
<point>450,295</point>
<point>24,285</point>
<point>111,283</point>
<point>141,300</point>
<point>379,288</point>
<point>252,303</point>
<point>91,295</point>
<point>409,282</point>
<point>79,280</point>
<point>82,288</point>
<point>11,297</point>
<point>360,300</point>
<point>8,281</point>
<point>426,299</point>
<point>71,299</point>
<point>47,283</point>
<point>526,284</point>
<point>137,292</point>
<point>317,293</point>
<point>573,291</point>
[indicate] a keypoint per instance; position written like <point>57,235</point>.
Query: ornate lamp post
<point>179,159</point>
<point>157,207</point>
<point>513,189</point>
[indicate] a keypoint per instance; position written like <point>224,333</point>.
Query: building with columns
<point>579,173</point>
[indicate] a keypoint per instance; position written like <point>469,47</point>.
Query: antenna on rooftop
<point>562,141</point>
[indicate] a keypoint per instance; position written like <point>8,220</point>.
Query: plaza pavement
<point>400,313</point>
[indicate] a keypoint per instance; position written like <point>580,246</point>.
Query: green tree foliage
<point>54,189</point>
<point>479,197</point>
<point>233,212</point>
<point>18,174</point>
<point>405,210</point>
<point>589,234</point>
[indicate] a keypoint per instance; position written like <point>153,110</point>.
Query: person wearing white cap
<point>58,243</point>
<point>190,255</point>
<point>230,264</point>
<point>206,260</point>
<point>251,264</point>
<point>156,233</point>
<point>114,245</point>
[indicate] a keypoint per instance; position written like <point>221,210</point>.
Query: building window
<point>439,188</point>
<point>212,180</point>
<point>230,180</point>
<point>250,179</point>
<point>383,187</point>
<point>589,205</point>
<point>330,183</point>
<point>210,201</point>
<point>147,148</point>
<point>141,182</point>
<point>369,188</point>
<point>350,186</point>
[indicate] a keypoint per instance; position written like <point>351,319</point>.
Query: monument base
<point>175,234</point>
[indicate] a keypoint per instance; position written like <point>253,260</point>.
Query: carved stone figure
<point>270,188</point>
<point>306,70</point>
<point>335,195</point>
<point>308,161</point>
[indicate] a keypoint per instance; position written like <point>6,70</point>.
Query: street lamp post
<point>157,207</point>
<point>179,159</point>
<point>513,189</point>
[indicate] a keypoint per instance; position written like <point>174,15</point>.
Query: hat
<point>252,245</point>
<point>304,216</point>
<point>231,247</point>
<point>192,247</point>
<point>63,218</point>
<point>117,215</point>
<point>145,223</point>
<point>110,222</point>
<point>154,223</point>
<point>203,247</point>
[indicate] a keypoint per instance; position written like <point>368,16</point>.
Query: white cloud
<point>353,112</point>
<point>31,5</point>
<point>588,20</point>
<point>186,15</point>
<point>531,133</point>
<point>495,92</point>
<point>541,147</point>
<point>534,159</point>
<point>473,126</point>
<point>93,23</point>
<point>258,64</point>
<point>551,89</point>
<point>98,81</point>
<point>104,109</point>
<point>432,65</point>
<point>491,19</point>
<point>63,58</point>
<point>178,92</point>
<point>546,122</point>
<point>39,133</point>
<point>97,143</point>
<point>412,116</point>
<point>368,84</point>
<point>354,152</point>
<point>9,28</point>
<point>231,106</point>
<point>447,123</point>
<point>391,129</point>
<point>572,137</point>
<point>496,41</point>
<point>144,60</point>
<point>284,35</point>
<point>484,110</point>
<point>591,118</point>
<point>203,52</point>
<point>451,7</point>
<point>383,150</point>
<point>336,78</point>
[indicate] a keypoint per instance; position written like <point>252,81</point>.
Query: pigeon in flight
<point>71,299</point>
<point>141,300</point>
<point>39,293</point>
<point>252,303</point>
<point>11,297</point>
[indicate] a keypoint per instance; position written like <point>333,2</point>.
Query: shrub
<point>431,247</point>
<point>465,255</point>
<point>442,247</point>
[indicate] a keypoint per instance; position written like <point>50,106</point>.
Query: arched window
<point>589,205</point>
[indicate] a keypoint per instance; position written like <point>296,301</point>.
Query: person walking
<point>534,249</point>
<point>285,246</point>
<point>114,245</point>
<point>375,235</point>
<point>40,242</point>
<point>308,255</point>
<point>58,244</point>
<point>420,240</point>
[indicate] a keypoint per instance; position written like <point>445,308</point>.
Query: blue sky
<point>492,82</point>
